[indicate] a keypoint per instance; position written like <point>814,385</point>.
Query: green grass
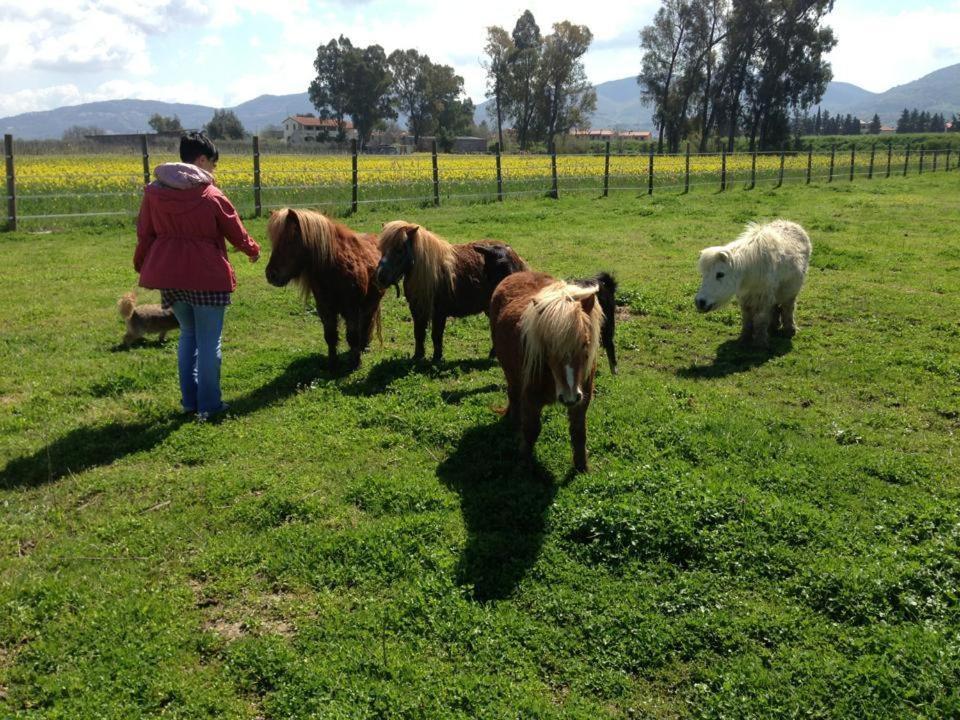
<point>760,535</point>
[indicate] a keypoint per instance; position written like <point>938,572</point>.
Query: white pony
<point>765,268</point>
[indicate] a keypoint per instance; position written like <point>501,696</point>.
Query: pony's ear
<point>293,221</point>
<point>588,302</point>
<point>723,256</point>
<point>411,232</point>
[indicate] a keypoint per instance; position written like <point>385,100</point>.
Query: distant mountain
<point>618,106</point>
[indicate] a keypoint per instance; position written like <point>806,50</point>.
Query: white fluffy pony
<point>765,268</point>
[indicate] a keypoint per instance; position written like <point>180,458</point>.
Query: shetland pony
<point>765,268</point>
<point>336,266</point>
<point>607,297</point>
<point>441,280</point>
<point>546,334</point>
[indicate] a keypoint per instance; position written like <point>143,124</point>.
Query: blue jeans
<point>198,356</point>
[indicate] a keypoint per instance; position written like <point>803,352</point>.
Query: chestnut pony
<point>336,266</point>
<point>546,334</point>
<point>441,280</point>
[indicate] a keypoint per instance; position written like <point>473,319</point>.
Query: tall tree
<point>329,91</point>
<point>566,97</point>
<point>224,125</point>
<point>499,49</point>
<point>411,75</point>
<point>874,127</point>
<point>451,114</point>
<point>524,76</point>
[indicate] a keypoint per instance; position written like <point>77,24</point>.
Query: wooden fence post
<point>873,153</point>
<point>946,163</point>
<point>436,176</point>
<point>11,183</point>
<point>723,170</point>
<point>650,172</point>
<point>257,205</point>
<point>499,177</point>
<point>606,169</point>
<point>934,169</point>
<point>146,159</point>
<point>833,155</point>
<point>906,160</point>
<point>922,151</point>
<point>853,159</point>
<point>554,185</point>
<point>889,155</point>
<point>686,172</point>
<point>753,170</point>
<point>809,162</point>
<point>780,177</point>
<point>355,178</point>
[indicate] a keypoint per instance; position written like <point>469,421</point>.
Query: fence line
<point>376,179</point>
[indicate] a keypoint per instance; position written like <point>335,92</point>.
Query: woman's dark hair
<point>195,144</point>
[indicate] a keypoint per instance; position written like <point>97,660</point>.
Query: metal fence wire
<point>61,188</point>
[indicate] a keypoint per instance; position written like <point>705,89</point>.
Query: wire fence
<point>53,189</point>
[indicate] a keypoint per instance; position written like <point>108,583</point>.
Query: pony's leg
<point>746,324</point>
<point>419,336</point>
<point>775,316</point>
<point>355,339</point>
<point>436,334</point>
<point>577,417</point>
<point>330,334</point>
<point>761,326</point>
<point>789,323</point>
<point>529,428</point>
<point>163,337</point>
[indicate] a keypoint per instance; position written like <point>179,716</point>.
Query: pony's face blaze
<point>570,369</point>
<point>288,257</point>
<point>718,282</point>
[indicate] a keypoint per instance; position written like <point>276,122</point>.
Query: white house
<point>299,129</point>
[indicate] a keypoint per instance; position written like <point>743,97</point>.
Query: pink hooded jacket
<point>183,221</point>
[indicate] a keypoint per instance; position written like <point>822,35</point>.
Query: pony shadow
<point>504,504</point>
<point>87,447</point>
<point>382,375</point>
<point>458,396</point>
<point>732,358</point>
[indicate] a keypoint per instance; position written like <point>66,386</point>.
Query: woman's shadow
<point>95,446</point>
<point>504,503</point>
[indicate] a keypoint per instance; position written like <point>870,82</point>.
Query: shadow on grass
<point>382,375</point>
<point>732,357</point>
<point>95,446</point>
<point>504,505</point>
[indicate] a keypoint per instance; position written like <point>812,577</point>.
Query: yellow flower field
<point>110,184</point>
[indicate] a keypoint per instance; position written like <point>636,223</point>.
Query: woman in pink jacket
<point>181,252</point>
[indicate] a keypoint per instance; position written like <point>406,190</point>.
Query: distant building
<point>461,144</point>
<point>604,134</point>
<point>299,129</point>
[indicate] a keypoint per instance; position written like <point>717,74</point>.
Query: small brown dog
<point>144,319</point>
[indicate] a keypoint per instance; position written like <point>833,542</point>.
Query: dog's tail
<point>126,304</point>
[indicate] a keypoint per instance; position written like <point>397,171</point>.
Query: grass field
<point>760,535</point>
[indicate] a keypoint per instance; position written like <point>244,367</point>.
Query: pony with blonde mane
<point>441,280</point>
<point>546,334</point>
<point>334,265</point>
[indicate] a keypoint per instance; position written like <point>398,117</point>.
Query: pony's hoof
<point>790,331</point>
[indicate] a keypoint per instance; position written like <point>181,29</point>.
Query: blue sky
<point>223,52</point>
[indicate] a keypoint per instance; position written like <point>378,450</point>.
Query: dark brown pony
<point>441,280</point>
<point>606,296</point>
<point>336,266</point>
<point>546,334</point>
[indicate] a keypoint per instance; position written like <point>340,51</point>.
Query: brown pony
<point>336,266</point>
<point>546,334</point>
<point>441,280</point>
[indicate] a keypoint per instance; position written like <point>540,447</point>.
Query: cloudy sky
<point>223,52</point>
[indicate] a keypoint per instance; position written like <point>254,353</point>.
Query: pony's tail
<point>126,304</point>
<point>378,326</point>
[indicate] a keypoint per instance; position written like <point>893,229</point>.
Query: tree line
<point>719,68</point>
<point>538,83</point>
<point>371,88</point>
<point>914,121</point>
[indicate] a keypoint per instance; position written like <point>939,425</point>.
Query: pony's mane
<point>319,235</point>
<point>752,247</point>
<point>553,324</point>
<point>434,260</point>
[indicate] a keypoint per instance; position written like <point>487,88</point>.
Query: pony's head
<point>397,241</point>
<point>411,251</point>
<point>301,240</point>
<point>719,277</point>
<point>560,329</point>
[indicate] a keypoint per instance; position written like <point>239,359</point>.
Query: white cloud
<point>878,50</point>
<point>55,96</point>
